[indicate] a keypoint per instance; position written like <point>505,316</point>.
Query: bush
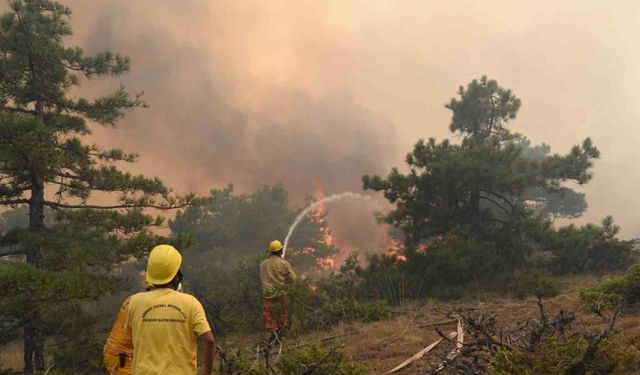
<point>345,284</point>
<point>590,248</point>
<point>349,310</point>
<point>612,292</point>
<point>612,356</point>
<point>450,268</point>
<point>304,360</point>
<point>533,283</point>
<point>546,345</point>
<point>461,263</point>
<point>313,309</point>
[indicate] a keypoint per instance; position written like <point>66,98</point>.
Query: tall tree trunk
<point>33,332</point>
<point>476,149</point>
<point>33,337</point>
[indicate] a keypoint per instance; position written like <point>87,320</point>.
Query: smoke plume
<point>321,92</point>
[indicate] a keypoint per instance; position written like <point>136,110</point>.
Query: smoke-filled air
<point>311,93</point>
<point>319,187</point>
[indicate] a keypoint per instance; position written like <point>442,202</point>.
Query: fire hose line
<point>459,343</point>
<point>458,334</point>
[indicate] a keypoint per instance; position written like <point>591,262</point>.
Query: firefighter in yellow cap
<point>275,274</point>
<point>165,323</point>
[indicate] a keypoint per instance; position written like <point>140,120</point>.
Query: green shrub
<point>349,310</point>
<point>612,292</point>
<point>373,311</point>
<point>533,283</point>
<point>614,356</point>
<point>589,248</point>
<point>300,360</point>
<point>346,283</point>
<point>314,310</point>
<point>598,300</point>
<point>304,360</point>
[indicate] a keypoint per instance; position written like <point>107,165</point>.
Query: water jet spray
<point>313,205</point>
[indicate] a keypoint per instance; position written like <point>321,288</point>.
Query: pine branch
<point>11,202</point>
<point>498,195</point>
<point>18,110</point>
<point>496,203</point>
<point>69,175</point>
<point>7,190</point>
<point>110,179</point>
<point>117,206</point>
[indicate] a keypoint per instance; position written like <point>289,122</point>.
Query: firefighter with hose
<point>275,275</point>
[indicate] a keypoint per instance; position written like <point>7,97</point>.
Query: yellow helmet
<point>275,246</point>
<point>146,282</point>
<point>163,264</point>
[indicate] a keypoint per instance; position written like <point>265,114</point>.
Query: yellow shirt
<point>164,325</point>
<point>275,273</point>
<point>119,340</point>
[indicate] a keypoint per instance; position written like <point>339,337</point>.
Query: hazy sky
<point>321,92</point>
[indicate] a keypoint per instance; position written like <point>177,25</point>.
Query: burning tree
<point>230,226</point>
<point>230,233</point>
<point>46,162</point>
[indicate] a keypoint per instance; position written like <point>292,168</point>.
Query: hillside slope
<point>385,344</point>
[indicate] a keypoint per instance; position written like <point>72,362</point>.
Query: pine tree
<point>45,161</point>
<point>488,180</point>
<point>485,198</point>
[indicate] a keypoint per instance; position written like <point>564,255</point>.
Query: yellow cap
<point>163,264</point>
<point>275,246</point>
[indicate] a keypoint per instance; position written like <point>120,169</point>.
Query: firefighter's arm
<point>208,343</point>
<point>205,336</point>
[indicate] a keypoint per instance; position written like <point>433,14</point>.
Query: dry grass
<point>11,356</point>
<point>383,345</point>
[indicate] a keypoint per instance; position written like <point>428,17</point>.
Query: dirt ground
<point>383,345</point>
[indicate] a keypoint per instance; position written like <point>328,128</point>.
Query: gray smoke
<point>216,117</point>
<point>199,132</point>
<point>322,92</point>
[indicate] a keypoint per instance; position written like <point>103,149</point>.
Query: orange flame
<point>423,248</point>
<point>395,248</point>
<point>317,195</point>
<point>327,263</point>
<point>318,214</point>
